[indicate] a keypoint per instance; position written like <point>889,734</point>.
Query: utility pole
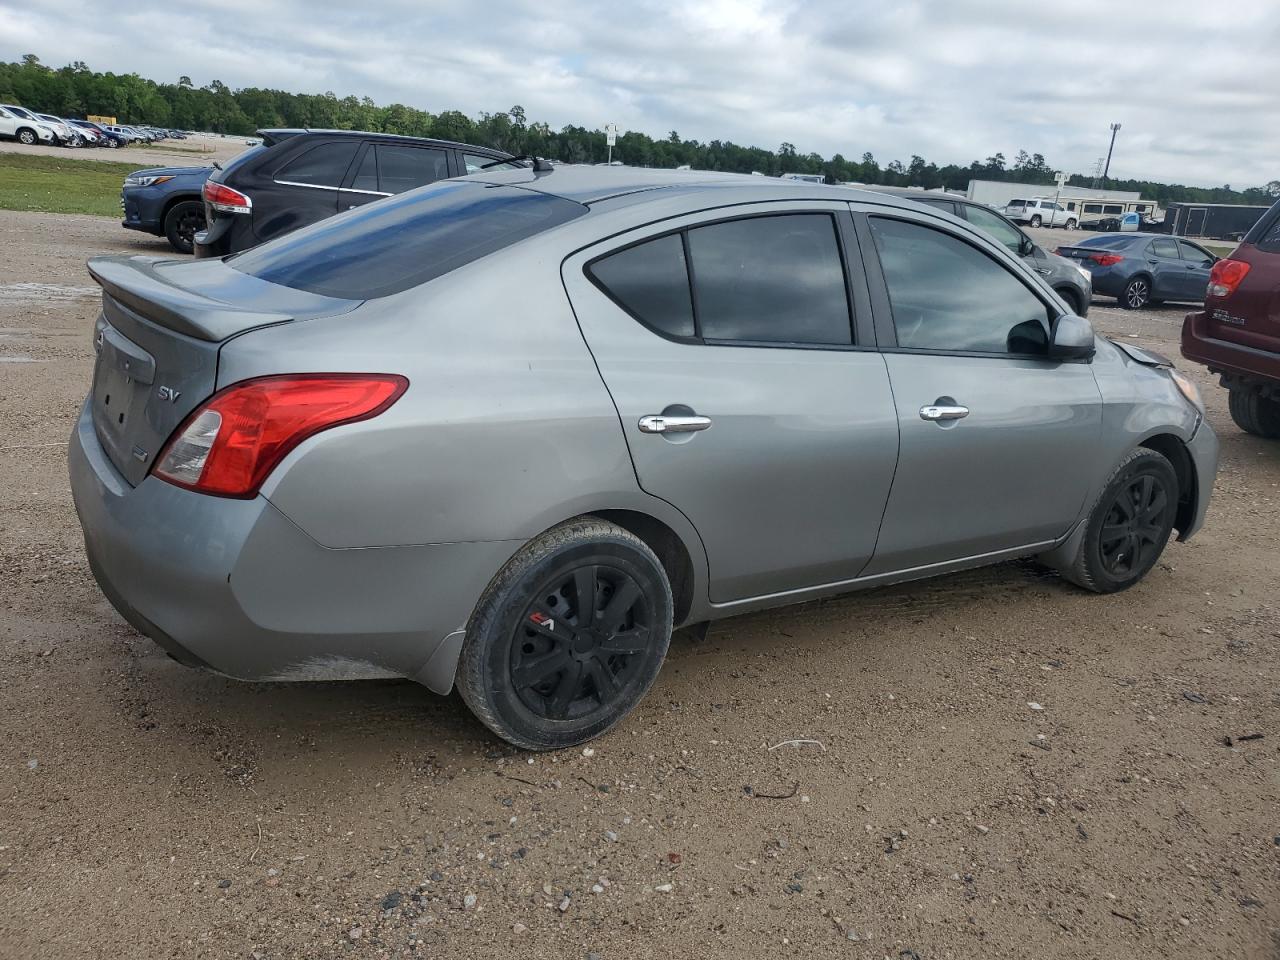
<point>1115,128</point>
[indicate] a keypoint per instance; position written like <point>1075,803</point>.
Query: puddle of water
<point>42,292</point>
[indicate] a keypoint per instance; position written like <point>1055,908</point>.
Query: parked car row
<point>31,127</point>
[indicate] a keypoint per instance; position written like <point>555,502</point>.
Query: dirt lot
<point>192,152</point>
<point>147,810</point>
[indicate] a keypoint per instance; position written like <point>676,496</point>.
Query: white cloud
<point>952,80</point>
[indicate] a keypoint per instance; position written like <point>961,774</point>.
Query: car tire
<point>527,669</point>
<point>181,223</point>
<point>1071,224</point>
<point>1072,299</point>
<point>1254,413</point>
<point>1036,221</point>
<point>1129,525</point>
<point>27,137</point>
<point>1137,293</point>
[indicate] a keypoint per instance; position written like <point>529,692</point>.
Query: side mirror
<point>1071,339</point>
<point>1026,247</point>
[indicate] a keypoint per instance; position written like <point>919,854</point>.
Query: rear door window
<point>772,279</point>
<point>1193,253</point>
<point>383,248</point>
<point>324,165</point>
<point>651,282</point>
<point>406,168</point>
<point>947,296</point>
<point>1164,248</point>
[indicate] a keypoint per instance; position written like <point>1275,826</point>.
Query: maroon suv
<point>1237,335</point>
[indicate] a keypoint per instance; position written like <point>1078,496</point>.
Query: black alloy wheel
<point>1129,525</point>
<point>568,637</point>
<point>580,642</point>
<point>1136,526</point>
<point>181,224</point>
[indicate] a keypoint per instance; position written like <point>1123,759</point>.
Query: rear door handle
<point>937,412</point>
<point>671,424</point>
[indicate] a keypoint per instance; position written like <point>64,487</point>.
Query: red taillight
<point>1105,259</point>
<point>229,445</point>
<point>1226,276</point>
<point>224,199</point>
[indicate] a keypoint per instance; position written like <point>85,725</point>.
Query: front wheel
<point>1137,294</point>
<point>568,637</point>
<point>181,223</point>
<point>1071,224</point>
<point>27,137</point>
<point>1254,413</point>
<point>1129,525</point>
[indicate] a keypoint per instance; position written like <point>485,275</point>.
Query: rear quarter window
<point>404,241</point>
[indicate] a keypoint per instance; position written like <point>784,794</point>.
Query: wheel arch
<point>1175,451</point>
<point>671,550</point>
<point>1071,296</point>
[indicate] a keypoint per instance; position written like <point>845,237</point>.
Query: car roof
<point>590,184</point>
<point>275,135</point>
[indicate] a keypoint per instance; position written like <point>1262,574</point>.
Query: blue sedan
<point>1144,268</point>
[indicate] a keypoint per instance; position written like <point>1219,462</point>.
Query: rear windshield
<point>403,241</point>
<point>1107,243</point>
<point>1017,203</point>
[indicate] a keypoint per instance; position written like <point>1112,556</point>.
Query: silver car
<point>507,431</point>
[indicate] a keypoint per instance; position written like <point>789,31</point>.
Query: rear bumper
<point>1235,360</point>
<point>235,586</point>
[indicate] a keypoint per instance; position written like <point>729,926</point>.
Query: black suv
<point>297,177</point>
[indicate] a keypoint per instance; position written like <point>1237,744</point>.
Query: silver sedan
<point>507,431</point>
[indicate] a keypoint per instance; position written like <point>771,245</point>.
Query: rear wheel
<point>181,223</point>
<point>1256,414</point>
<point>1036,221</point>
<point>1129,525</point>
<point>568,637</point>
<point>1137,294</point>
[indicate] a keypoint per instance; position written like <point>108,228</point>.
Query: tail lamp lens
<point>225,200</point>
<point>1226,276</point>
<point>230,445</point>
<point>1105,259</point>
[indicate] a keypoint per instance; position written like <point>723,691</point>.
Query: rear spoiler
<point>271,137</point>
<point>134,282</point>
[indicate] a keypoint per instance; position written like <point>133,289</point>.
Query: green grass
<point>56,185</point>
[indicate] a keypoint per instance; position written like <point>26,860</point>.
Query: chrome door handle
<point>668,424</point>
<point>934,412</point>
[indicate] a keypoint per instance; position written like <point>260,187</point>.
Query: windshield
<point>405,240</point>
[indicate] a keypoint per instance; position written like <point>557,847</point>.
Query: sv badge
<point>168,393</point>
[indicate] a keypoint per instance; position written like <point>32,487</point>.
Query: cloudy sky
<point>1195,84</point>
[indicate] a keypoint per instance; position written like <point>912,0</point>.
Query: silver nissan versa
<point>506,431</point>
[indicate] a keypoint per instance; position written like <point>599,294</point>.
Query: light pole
<point>1115,128</point>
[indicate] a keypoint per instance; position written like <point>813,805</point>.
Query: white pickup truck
<point>1041,213</point>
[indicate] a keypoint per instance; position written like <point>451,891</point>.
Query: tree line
<point>76,91</point>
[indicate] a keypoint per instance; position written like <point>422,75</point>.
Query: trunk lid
<point>157,341</point>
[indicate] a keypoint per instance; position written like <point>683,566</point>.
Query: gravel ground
<point>151,811</point>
